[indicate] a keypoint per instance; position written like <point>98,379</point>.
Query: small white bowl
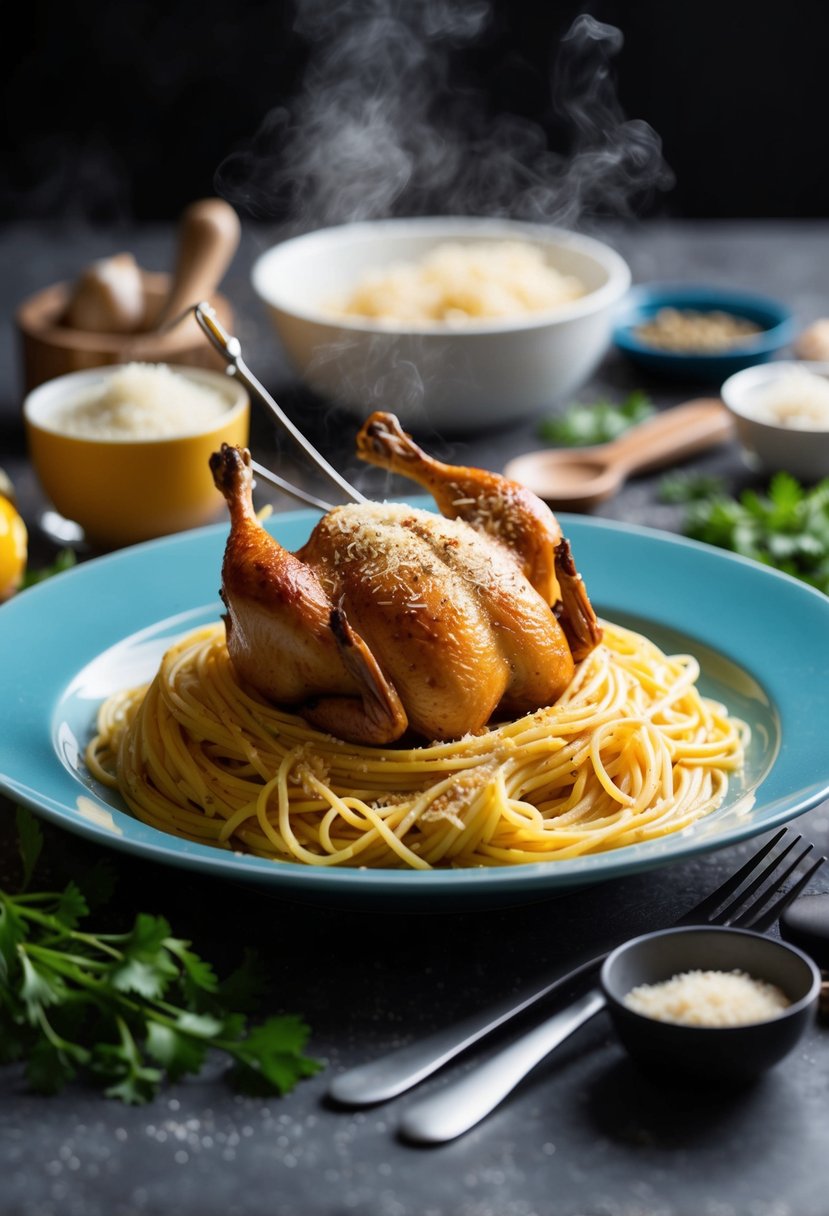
<point>803,453</point>
<point>481,374</point>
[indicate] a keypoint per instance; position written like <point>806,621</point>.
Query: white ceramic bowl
<point>803,453</point>
<point>483,374</point>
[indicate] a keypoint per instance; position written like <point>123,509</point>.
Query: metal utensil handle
<point>243,373</point>
<point>458,1106</point>
<point>229,347</point>
<point>393,1074</point>
<point>287,488</point>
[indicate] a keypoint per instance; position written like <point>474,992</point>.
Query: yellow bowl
<point>125,490</point>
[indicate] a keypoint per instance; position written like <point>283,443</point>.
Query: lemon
<point>13,549</point>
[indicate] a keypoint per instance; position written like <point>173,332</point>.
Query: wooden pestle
<point>109,297</point>
<point>208,237</point>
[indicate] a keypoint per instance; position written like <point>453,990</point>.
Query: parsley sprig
<point>786,527</point>
<point>688,485</point>
<point>127,1010</point>
<point>584,425</point>
<point>65,560</point>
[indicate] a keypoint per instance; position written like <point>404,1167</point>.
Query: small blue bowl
<point>642,303</point>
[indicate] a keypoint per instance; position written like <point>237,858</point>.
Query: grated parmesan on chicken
<point>455,284</point>
<point>141,401</point>
<point>709,998</point>
<point>391,539</point>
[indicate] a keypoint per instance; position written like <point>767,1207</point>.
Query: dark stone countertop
<point>586,1134</point>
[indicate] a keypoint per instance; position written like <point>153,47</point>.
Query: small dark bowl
<point>642,304</point>
<point>709,1054</point>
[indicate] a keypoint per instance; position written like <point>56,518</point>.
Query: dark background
<point>127,111</point>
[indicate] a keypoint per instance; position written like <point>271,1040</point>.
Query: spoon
<point>208,237</point>
<point>579,478</point>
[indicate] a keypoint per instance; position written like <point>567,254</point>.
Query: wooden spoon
<point>579,478</point>
<point>208,237</point>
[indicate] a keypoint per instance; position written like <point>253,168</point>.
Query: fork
<point>462,1104</point>
<point>399,1071</point>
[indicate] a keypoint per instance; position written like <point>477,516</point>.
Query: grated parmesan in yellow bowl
<point>123,450</point>
<point>141,401</point>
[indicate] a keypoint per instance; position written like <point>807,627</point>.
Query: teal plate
<point>762,640</point>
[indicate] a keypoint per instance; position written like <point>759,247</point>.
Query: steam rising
<point>379,129</point>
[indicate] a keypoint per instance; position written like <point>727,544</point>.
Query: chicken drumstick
<point>390,617</point>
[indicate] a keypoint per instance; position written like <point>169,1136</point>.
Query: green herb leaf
<point>128,1010</point>
<point>145,967</point>
<point>65,560</point>
<point>683,487</point>
<point>71,906</point>
<point>786,527</point>
<point>272,1056</point>
<point>29,841</point>
<point>39,988</point>
<point>199,972</point>
<point>177,1053</point>
<point>135,1082</point>
<point>147,978</point>
<point>12,933</point>
<point>585,425</point>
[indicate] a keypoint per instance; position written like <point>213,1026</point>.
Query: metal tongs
<point>231,350</point>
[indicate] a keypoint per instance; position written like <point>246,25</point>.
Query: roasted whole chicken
<point>392,618</point>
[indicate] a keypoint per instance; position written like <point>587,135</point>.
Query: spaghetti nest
<point>631,752</point>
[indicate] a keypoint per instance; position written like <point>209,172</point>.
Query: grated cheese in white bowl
<point>797,398</point>
<point>140,401</point>
<point>457,283</point>
<point>709,998</point>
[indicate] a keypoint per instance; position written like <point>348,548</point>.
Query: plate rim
<point>538,879</point>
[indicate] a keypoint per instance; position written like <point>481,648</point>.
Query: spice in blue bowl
<point>696,332</point>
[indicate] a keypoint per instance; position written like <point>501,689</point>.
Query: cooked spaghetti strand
<point>631,752</point>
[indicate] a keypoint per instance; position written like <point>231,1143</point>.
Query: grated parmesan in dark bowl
<point>709,998</point>
<point>707,1004</point>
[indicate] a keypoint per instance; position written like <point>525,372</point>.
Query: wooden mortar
<point>50,349</point>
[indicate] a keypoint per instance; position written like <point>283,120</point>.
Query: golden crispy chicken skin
<point>390,617</point>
